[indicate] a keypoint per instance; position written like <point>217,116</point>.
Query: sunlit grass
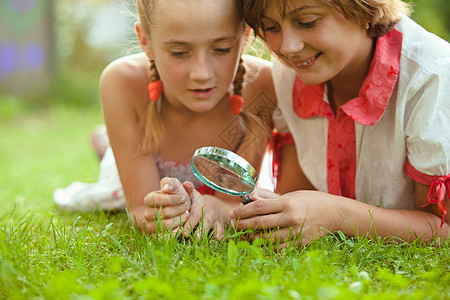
<point>50,254</point>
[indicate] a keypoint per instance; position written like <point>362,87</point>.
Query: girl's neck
<point>186,130</point>
<point>183,116</point>
<point>346,85</point>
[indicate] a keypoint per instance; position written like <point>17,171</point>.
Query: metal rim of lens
<point>229,156</point>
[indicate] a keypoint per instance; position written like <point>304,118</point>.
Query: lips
<point>202,93</point>
<point>306,63</point>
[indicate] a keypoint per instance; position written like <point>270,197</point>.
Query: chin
<point>310,81</point>
<point>202,109</point>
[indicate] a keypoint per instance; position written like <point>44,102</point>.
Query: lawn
<point>49,254</point>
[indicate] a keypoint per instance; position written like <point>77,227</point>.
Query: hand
<point>207,213</point>
<point>260,193</point>
<point>170,206</point>
<point>298,217</point>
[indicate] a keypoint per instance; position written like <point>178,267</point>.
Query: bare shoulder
<point>259,66</point>
<point>258,80</point>
<point>127,76</point>
<point>126,69</point>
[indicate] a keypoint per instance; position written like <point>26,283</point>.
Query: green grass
<point>49,254</point>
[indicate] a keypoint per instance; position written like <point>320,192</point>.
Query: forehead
<point>279,10</point>
<point>195,18</point>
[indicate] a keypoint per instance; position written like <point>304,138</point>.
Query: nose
<point>291,41</point>
<point>202,69</point>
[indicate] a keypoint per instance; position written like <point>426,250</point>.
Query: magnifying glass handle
<point>245,199</point>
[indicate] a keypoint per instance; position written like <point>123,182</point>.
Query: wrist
<point>341,217</point>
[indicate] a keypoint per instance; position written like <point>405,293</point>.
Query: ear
<point>144,42</point>
<point>248,31</point>
<point>245,38</point>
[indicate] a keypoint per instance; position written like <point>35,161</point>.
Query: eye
<point>178,53</point>
<point>222,50</point>
<point>307,24</point>
<point>270,28</point>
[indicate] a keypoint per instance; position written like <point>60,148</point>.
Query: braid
<point>239,79</point>
<point>152,127</point>
<point>254,127</point>
<point>154,75</point>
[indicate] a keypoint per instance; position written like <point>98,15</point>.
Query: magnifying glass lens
<point>224,171</point>
<point>223,176</point>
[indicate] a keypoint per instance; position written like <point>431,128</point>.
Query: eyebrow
<point>292,12</point>
<point>185,43</point>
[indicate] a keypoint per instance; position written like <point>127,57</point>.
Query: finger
<point>189,225</point>
<point>153,213</point>
<point>168,212</point>
<point>159,226</point>
<point>283,237</point>
<point>178,230</point>
<point>255,208</point>
<point>261,193</point>
<point>189,187</point>
<point>219,231</point>
<point>196,214</point>
<point>203,228</point>
<point>194,195</point>
<point>164,213</point>
<point>264,222</point>
<point>159,199</point>
<point>280,246</point>
<point>275,235</point>
<point>175,222</point>
<point>169,184</point>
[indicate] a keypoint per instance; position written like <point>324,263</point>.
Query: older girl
<point>365,93</point>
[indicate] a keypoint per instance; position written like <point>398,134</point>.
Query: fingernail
<point>232,214</point>
<point>167,187</point>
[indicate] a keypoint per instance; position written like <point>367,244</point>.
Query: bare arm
<point>312,214</point>
<point>289,166</point>
<point>122,88</point>
<point>422,223</point>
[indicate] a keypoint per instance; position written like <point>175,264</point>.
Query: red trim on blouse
<point>341,154</point>
<point>278,139</point>
<point>439,185</point>
<point>374,95</point>
<point>366,109</point>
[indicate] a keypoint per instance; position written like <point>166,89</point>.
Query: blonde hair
<point>382,15</point>
<point>151,125</point>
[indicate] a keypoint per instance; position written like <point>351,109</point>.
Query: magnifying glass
<point>224,171</point>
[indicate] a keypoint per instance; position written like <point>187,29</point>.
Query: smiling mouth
<point>305,63</point>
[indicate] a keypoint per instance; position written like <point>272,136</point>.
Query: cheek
<point>226,68</point>
<point>170,69</point>
<point>273,42</point>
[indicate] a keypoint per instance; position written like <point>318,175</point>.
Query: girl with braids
<point>183,92</point>
<point>364,91</point>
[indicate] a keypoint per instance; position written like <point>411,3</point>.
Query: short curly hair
<point>381,14</point>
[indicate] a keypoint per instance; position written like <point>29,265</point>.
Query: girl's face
<point>196,47</point>
<point>317,41</point>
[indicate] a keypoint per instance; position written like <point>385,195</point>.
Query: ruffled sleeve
<point>427,128</point>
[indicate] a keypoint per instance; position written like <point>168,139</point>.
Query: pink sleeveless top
<point>182,171</point>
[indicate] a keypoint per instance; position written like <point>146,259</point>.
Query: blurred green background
<point>52,52</point>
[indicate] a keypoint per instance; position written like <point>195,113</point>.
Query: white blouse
<point>401,134</point>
